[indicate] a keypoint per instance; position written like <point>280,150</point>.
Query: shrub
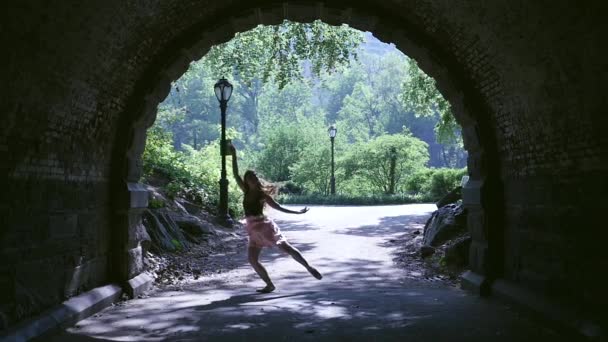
<point>419,182</point>
<point>444,180</point>
<point>155,203</point>
<point>192,174</point>
<point>342,199</point>
<point>434,183</point>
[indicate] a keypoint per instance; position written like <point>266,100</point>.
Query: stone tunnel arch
<point>81,84</point>
<point>461,88</point>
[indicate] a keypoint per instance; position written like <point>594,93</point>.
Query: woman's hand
<point>302,211</point>
<point>232,149</point>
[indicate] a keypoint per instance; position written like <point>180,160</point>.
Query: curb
<point>64,315</point>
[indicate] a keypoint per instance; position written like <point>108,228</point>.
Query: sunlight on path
<point>363,296</point>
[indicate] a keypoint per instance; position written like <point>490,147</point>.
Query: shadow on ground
<point>362,297</point>
<point>388,226</point>
<point>358,300</point>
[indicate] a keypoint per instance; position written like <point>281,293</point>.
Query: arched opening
<point>482,194</point>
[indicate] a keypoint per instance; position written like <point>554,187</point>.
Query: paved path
<point>362,297</point>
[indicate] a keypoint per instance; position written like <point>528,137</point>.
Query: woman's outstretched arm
<point>272,203</point>
<point>235,169</point>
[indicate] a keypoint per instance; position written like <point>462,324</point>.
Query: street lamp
<point>223,91</point>
<point>332,134</point>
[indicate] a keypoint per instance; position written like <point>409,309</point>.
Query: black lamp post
<point>223,91</point>
<point>332,182</point>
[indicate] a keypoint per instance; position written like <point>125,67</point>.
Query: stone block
<point>478,254</point>
<point>137,286</point>
<point>138,195</point>
<point>473,282</point>
<point>135,262</point>
<point>471,193</point>
<point>138,236</point>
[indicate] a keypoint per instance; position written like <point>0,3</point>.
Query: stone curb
<point>65,315</point>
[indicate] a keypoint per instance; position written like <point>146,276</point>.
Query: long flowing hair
<point>262,186</point>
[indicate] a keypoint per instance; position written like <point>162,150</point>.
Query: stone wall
<point>81,82</point>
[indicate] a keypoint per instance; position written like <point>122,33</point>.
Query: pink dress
<point>263,232</point>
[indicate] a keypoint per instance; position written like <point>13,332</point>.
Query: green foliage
<point>342,199</point>
<point>291,82</point>
<point>176,244</point>
<point>275,53</point>
<point>369,164</point>
<point>419,182</point>
<point>193,174</point>
<point>156,203</point>
<point>444,181</point>
<point>313,170</point>
<point>420,95</point>
<point>436,183</point>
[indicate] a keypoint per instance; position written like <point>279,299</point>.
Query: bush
<point>341,199</point>
<point>444,181</point>
<point>291,188</point>
<point>434,183</point>
<point>419,182</point>
<point>192,174</point>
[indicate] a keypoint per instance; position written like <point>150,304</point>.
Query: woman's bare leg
<point>295,253</point>
<point>254,255</point>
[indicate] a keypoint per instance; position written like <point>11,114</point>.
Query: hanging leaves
<point>279,52</point>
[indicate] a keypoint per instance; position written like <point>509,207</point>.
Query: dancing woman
<point>262,231</point>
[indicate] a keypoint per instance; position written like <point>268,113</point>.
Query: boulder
<point>452,197</point>
<point>445,223</point>
<point>192,225</point>
<point>163,231</point>
<point>457,252</point>
<point>189,207</point>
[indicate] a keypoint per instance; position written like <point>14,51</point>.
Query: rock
<point>163,231</point>
<point>191,208</point>
<point>457,252</point>
<point>192,224</point>
<point>140,236</point>
<point>427,251</point>
<point>445,223</point>
<point>451,197</point>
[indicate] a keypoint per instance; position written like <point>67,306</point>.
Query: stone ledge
<point>138,285</point>
<point>561,317</point>
<point>474,282</point>
<point>65,315</point>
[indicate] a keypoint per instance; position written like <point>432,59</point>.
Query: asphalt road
<point>364,295</point>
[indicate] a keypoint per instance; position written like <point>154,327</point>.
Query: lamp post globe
<point>223,91</point>
<point>332,130</point>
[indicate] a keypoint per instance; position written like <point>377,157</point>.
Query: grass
<point>339,199</point>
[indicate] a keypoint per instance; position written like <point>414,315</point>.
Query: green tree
<point>275,53</point>
<point>313,170</point>
<point>285,140</point>
<point>421,96</point>
<point>371,161</point>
